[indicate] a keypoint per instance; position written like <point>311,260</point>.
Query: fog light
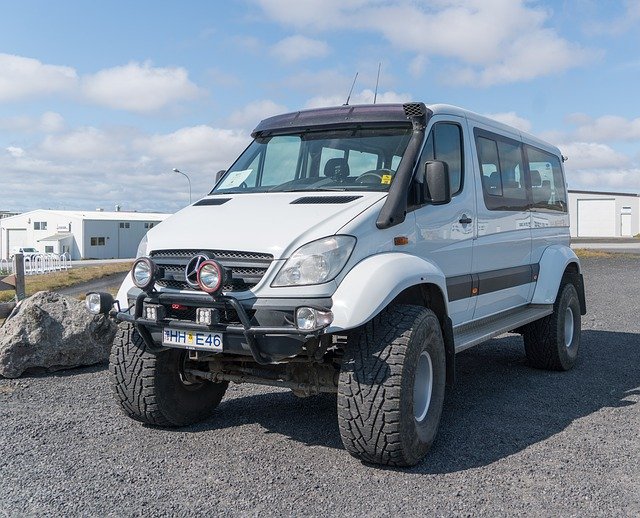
<point>207,316</point>
<point>210,276</point>
<point>97,303</point>
<point>154,312</point>
<point>143,273</point>
<point>310,319</point>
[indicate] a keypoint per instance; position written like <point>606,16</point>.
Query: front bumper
<point>260,328</point>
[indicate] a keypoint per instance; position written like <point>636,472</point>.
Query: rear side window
<point>504,184</point>
<point>547,182</point>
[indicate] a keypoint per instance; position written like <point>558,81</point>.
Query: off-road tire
<point>149,385</point>
<point>544,340</point>
<point>376,387</point>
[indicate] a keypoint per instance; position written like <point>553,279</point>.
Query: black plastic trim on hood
<point>211,201</point>
<point>316,200</point>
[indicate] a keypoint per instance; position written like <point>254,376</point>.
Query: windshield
<point>336,160</point>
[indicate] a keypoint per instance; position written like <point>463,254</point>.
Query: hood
<point>273,223</point>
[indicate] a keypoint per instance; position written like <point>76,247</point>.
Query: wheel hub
<point>568,327</point>
<point>422,386</point>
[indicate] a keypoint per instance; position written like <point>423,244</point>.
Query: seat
<point>337,169</point>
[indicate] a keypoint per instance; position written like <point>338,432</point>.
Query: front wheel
<point>391,387</point>
<point>152,387</point>
<point>552,342</point>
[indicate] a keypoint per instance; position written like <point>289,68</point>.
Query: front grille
<point>247,268</point>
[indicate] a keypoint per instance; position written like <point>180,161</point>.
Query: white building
<point>604,214</point>
<point>83,234</point>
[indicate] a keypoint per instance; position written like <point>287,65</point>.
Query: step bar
<point>468,335</point>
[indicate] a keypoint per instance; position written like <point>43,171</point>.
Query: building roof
<point>57,237</point>
<point>102,215</point>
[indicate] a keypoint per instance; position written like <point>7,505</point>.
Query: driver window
<point>445,143</point>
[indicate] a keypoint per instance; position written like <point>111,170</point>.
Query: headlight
<point>143,272</point>
<point>99,302</point>
<point>316,262</point>
<point>210,276</point>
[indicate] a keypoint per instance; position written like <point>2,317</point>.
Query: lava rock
<point>49,331</point>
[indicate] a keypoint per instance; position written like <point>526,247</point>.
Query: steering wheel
<point>374,176</point>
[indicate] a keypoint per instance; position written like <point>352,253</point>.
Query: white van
<point>352,250</point>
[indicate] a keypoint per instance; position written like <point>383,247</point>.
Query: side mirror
<point>220,174</point>
<point>437,189</point>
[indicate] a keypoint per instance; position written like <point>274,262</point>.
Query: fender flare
<point>553,263</point>
<point>122,296</point>
<point>375,281</point>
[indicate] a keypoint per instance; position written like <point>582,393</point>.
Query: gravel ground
<point>513,440</point>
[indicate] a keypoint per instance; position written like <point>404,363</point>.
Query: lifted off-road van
<point>352,250</point>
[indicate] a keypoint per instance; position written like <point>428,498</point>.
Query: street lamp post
<point>175,170</point>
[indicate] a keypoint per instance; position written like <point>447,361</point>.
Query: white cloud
<point>51,122</point>
<point>296,48</point>
<point>24,78</point>
<point>591,155</point>
<point>15,152</point>
<point>199,147</point>
<point>92,167</point>
<point>512,119</point>
<point>139,87</point>
<point>48,122</point>
<point>607,128</point>
<point>363,97</point>
<point>83,144</point>
<point>489,42</point>
<point>249,116</point>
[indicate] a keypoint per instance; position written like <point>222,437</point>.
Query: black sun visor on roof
<point>338,116</point>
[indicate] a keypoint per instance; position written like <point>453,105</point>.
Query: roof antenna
<point>351,91</point>
<point>375,95</point>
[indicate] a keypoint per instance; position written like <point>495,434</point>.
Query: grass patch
<point>589,253</point>
<point>64,279</point>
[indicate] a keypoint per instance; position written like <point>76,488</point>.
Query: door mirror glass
<point>437,189</point>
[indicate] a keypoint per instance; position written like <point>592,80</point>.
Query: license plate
<point>192,339</point>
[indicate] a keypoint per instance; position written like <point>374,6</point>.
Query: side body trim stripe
<point>471,285</point>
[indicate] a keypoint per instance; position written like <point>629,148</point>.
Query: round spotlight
<point>210,276</point>
<point>143,273</point>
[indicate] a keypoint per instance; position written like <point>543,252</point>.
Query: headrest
<point>536,179</point>
<point>336,168</point>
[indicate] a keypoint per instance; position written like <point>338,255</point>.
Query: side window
<point>448,148</point>
<point>547,182</point>
<point>503,181</point>
<point>445,143</point>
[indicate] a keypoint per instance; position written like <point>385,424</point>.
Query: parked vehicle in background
<point>28,252</point>
<point>352,250</point>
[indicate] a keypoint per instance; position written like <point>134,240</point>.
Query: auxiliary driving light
<point>155,312</point>
<point>98,302</point>
<point>143,273</point>
<point>311,319</point>
<point>207,316</point>
<point>210,276</point>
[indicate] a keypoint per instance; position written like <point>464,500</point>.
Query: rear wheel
<point>552,342</point>
<point>152,387</point>
<point>391,387</point>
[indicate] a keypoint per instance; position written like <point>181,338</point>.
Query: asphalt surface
<point>106,283</point>
<point>513,440</point>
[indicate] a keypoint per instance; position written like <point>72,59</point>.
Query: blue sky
<point>100,100</point>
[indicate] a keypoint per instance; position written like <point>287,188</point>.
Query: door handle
<point>465,220</point>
